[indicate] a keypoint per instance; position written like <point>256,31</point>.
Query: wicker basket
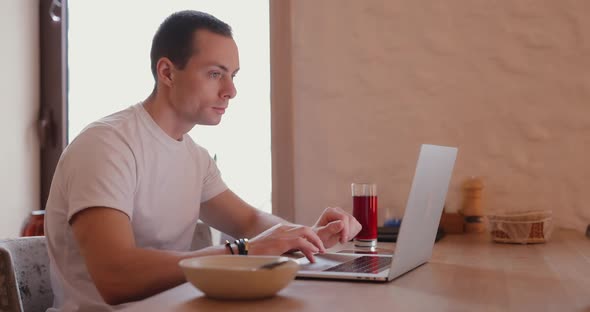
<point>521,228</point>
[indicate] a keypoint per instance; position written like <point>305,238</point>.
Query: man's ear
<point>165,71</point>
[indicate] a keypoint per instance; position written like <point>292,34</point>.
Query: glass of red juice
<point>364,200</point>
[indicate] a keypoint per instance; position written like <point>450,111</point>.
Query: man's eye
<point>214,75</point>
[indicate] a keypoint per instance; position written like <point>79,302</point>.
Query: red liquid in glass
<point>365,211</point>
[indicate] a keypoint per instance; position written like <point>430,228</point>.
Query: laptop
<point>416,235</point>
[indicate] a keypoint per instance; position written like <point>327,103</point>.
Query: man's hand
<point>336,225</point>
<point>282,238</point>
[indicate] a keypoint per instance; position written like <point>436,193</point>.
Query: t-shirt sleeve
<point>100,172</point>
<point>213,184</point>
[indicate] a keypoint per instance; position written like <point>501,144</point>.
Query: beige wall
<point>19,101</point>
<point>507,82</point>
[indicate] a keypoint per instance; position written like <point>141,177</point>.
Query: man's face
<point>200,92</point>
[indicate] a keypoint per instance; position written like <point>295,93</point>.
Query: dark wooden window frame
<point>53,120</point>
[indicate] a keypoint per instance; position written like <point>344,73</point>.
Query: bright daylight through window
<point>109,70</point>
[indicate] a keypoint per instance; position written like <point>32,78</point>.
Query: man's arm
<point>272,235</point>
<point>230,214</point>
<point>121,271</point>
<point>268,234</point>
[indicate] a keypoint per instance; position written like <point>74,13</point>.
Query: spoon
<point>272,265</point>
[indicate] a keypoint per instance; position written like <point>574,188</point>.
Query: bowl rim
<point>185,263</point>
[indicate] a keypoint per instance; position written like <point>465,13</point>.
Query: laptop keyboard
<point>364,264</point>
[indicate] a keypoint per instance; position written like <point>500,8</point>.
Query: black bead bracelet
<point>228,245</point>
<point>242,244</point>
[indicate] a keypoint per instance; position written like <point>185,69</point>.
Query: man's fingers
<point>307,248</point>
<point>331,232</point>
<point>335,226</point>
<point>344,234</point>
<point>338,214</point>
<point>339,227</point>
<point>312,238</point>
<point>355,227</point>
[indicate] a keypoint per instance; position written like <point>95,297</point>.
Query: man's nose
<point>229,91</point>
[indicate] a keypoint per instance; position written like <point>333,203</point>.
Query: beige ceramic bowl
<point>238,277</point>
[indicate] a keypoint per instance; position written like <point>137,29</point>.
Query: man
<point>128,191</point>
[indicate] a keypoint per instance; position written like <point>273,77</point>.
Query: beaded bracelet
<point>246,245</point>
<point>228,245</point>
<point>242,244</point>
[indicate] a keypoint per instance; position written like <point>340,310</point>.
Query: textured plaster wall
<point>508,82</point>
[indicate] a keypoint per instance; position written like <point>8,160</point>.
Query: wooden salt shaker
<point>472,208</point>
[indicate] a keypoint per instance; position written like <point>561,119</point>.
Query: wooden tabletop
<point>467,273</point>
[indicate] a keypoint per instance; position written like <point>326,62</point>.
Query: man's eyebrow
<point>225,69</point>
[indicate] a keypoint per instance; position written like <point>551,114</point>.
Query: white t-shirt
<point>127,162</point>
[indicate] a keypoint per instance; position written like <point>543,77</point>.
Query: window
<point>108,46</point>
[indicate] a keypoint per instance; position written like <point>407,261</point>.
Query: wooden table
<point>467,273</point>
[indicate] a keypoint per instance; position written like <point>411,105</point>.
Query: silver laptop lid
<point>424,208</point>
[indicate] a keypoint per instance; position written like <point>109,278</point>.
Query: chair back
<point>24,275</point>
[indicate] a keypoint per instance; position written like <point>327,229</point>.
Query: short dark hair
<point>174,37</point>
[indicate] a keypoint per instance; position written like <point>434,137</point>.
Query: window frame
<point>52,122</point>
<point>281,108</point>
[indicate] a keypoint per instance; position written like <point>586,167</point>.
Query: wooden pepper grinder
<point>472,208</point>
